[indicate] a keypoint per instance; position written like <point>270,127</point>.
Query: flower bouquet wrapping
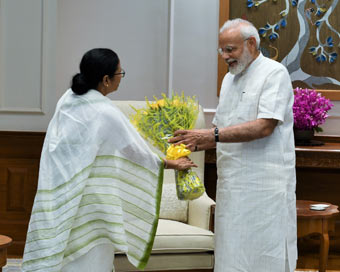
<point>157,123</point>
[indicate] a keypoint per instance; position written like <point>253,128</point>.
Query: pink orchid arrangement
<point>310,109</point>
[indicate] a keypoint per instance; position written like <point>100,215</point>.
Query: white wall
<point>136,30</point>
<point>332,124</point>
<point>195,43</point>
<point>27,64</point>
<point>195,24</point>
<point>164,45</point>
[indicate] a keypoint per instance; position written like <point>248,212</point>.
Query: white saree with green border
<point>99,183</point>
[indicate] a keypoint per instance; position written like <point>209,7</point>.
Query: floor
<point>14,265</point>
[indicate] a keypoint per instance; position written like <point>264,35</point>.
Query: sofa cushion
<point>171,207</point>
<point>176,237</point>
<point>177,246</point>
<point>169,262</point>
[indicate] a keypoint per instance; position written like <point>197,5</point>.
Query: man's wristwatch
<point>217,138</point>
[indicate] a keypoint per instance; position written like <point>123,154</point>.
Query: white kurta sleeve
<point>276,95</point>
<point>214,121</point>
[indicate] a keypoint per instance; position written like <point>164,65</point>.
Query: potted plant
<point>310,111</point>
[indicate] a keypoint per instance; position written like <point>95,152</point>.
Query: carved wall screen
<point>304,35</point>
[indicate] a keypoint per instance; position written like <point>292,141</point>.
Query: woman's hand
<point>180,164</point>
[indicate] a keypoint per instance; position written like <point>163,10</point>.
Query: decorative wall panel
<point>21,55</point>
<point>27,64</point>
<point>303,35</point>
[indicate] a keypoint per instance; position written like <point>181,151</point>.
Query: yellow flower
<point>158,104</point>
<point>177,151</point>
<point>154,105</point>
<point>161,102</point>
<point>176,102</point>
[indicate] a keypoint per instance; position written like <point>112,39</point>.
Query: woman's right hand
<point>180,164</point>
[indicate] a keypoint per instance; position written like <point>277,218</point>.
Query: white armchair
<point>184,240</point>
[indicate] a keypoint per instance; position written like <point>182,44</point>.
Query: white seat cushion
<point>175,237</point>
<point>177,246</point>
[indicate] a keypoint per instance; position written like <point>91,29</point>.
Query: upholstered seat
<point>176,237</point>
<point>183,240</point>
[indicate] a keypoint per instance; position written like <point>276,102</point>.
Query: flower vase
<point>303,137</point>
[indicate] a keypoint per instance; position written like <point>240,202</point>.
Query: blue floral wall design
<point>313,19</point>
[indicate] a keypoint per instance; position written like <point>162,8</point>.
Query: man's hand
<point>195,139</point>
<point>203,139</point>
<point>180,164</point>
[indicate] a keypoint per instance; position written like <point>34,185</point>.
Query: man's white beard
<point>242,62</point>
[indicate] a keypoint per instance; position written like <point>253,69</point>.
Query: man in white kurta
<point>255,219</point>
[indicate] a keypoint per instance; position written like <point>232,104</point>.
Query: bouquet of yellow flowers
<point>157,123</point>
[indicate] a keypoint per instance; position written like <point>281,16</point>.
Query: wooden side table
<point>310,221</point>
<point>5,242</point>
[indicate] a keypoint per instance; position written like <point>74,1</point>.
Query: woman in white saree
<point>99,184</point>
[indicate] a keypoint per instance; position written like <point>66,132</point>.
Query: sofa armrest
<point>199,213</point>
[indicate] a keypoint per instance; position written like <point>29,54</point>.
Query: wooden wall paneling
<point>210,173</point>
<point>19,167</point>
<point>16,180</point>
<point>17,195</point>
<point>319,184</point>
<point>333,95</point>
<point>318,179</point>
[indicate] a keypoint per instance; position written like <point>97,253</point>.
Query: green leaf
<point>318,129</point>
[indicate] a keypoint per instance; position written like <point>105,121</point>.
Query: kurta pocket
<point>247,108</point>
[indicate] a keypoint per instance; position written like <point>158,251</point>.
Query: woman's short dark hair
<point>94,65</point>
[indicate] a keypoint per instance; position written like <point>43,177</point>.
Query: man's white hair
<point>247,29</point>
